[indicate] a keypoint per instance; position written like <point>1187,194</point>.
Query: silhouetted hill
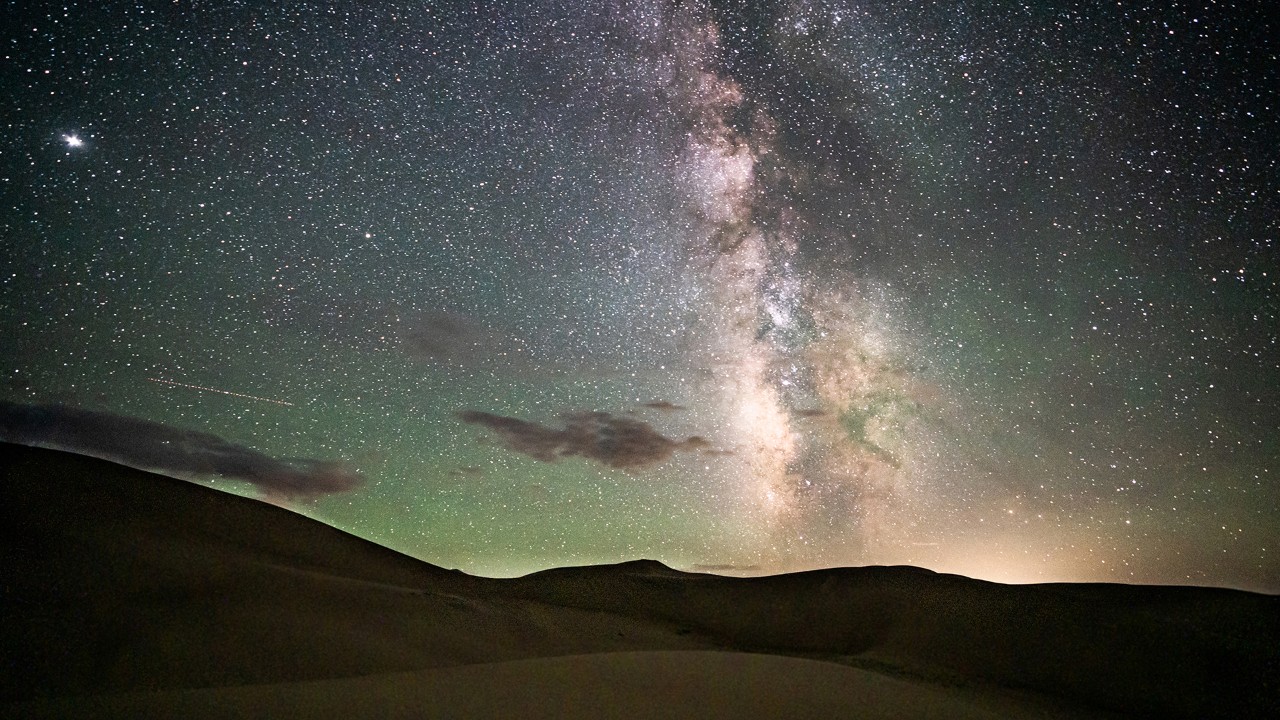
<point>120,581</point>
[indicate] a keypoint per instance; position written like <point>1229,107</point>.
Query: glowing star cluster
<point>716,170</point>
<point>801,384</point>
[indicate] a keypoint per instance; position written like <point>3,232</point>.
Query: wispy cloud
<point>662,405</point>
<point>170,450</point>
<point>614,441</point>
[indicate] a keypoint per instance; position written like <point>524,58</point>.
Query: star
<point>72,140</point>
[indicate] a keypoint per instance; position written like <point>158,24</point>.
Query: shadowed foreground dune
<point>128,594</point>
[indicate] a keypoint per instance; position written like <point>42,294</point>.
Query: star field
<point>989,288</point>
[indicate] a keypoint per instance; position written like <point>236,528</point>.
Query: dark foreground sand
<point>127,594</point>
<point>656,684</point>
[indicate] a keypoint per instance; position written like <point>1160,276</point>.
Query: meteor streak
<point>216,390</point>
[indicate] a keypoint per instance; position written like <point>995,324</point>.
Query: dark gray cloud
<point>614,441</point>
<point>448,340</point>
<point>662,405</point>
<point>166,449</point>
<point>447,337</point>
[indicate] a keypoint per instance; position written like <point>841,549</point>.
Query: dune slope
<point>127,593</point>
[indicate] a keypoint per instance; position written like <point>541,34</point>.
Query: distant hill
<point>131,594</point>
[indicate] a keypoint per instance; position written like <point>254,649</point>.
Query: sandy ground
<point>127,594</point>
<point>667,684</point>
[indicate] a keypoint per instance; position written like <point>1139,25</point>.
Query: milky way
<point>988,288</point>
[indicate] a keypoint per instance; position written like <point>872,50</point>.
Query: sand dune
<point>659,684</point>
<point>128,594</point>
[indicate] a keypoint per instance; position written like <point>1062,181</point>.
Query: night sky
<point>990,288</point>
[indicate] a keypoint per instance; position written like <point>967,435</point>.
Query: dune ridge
<point>132,594</point>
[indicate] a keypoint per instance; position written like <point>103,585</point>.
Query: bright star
<point>73,141</point>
